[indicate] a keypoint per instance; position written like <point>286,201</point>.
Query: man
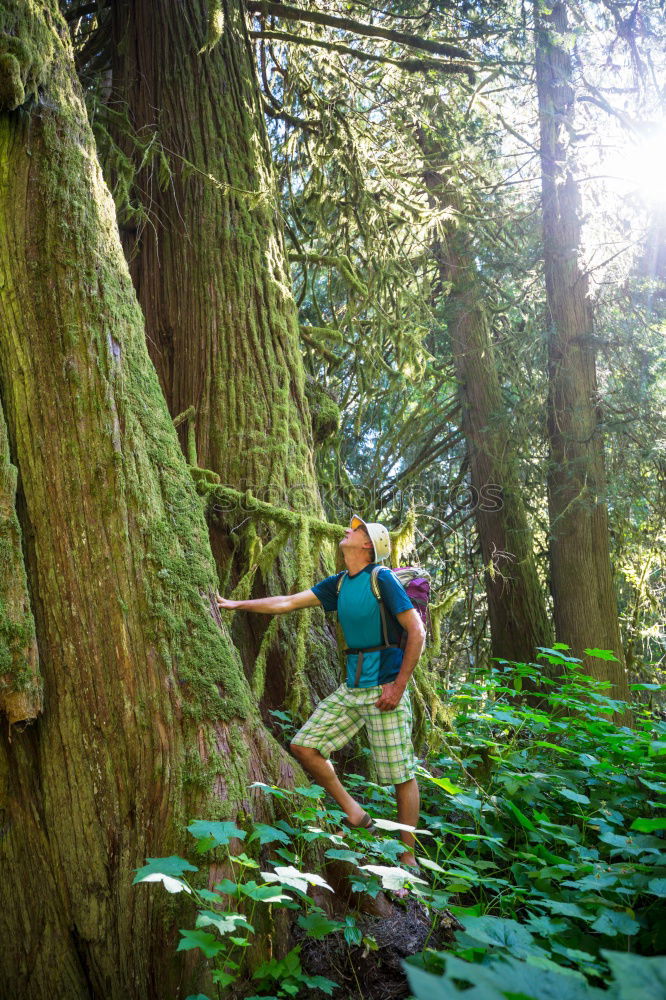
<point>375,693</point>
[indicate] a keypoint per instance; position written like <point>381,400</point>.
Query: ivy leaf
<point>219,833</point>
<point>657,886</point>
<point>173,866</point>
<point>208,943</point>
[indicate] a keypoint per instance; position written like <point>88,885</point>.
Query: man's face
<point>357,538</point>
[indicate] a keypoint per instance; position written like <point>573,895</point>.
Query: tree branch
<point>289,13</point>
<point>410,65</point>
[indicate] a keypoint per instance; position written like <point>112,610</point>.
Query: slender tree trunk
<point>147,716</point>
<point>516,609</point>
<point>583,593</point>
<point>212,279</point>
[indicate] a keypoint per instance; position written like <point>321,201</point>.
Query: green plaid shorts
<point>338,718</point>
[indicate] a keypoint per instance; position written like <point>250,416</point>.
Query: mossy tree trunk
<point>584,598</point>
<point>212,279</point>
<point>147,716</point>
<point>517,612</point>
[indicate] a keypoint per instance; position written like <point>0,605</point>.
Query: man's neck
<point>355,562</point>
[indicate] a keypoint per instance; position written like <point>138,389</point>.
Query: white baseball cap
<point>379,537</point>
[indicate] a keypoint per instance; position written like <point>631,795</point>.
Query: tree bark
<point>584,599</point>
<point>517,612</point>
<point>20,679</point>
<point>212,278</point>
<point>147,717</point>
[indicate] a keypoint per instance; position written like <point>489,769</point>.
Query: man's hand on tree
<point>224,604</point>
<point>390,696</point>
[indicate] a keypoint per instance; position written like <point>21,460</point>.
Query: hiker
<point>375,693</point>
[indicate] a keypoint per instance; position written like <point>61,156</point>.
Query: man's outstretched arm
<point>272,605</point>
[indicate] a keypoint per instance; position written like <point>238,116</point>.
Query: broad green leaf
<point>311,792</point>
<point>227,887</point>
<point>657,886</point>
<point>169,883</point>
<point>602,654</point>
<point>224,923</point>
<point>520,816</point>
<point>269,789</point>
<point>637,978</point>
<point>319,983</point>
<point>197,996</point>
<point>208,943</point>
<point>499,932</point>
<point>345,855</point>
<point>264,893</point>
<point>318,925</point>
<point>391,825</point>
<point>290,876</point>
<point>223,978</point>
<point>444,783</point>
<point>352,932</point>
<point>173,865</point>
<point>568,793</point>
<point>615,922</point>
<point>648,825</point>
<point>220,833</point>
<point>243,859</point>
<point>393,878</point>
<point>268,834</point>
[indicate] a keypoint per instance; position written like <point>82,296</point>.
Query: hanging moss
<point>324,411</point>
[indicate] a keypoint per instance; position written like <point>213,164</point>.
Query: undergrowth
<point>542,831</point>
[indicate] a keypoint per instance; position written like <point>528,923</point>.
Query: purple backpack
<point>417,586</point>
<point>416,582</point>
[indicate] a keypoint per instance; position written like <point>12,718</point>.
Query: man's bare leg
<point>322,771</point>
<point>409,803</point>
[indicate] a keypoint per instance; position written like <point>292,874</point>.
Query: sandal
<point>367,823</point>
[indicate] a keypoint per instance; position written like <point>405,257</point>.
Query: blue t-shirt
<point>361,624</point>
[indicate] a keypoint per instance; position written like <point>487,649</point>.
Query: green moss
<point>12,93</point>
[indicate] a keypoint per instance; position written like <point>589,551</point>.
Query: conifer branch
<point>289,13</point>
<point>410,65</point>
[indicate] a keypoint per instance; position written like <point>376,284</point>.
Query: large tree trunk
<point>517,612</point>
<point>583,594</point>
<point>147,716</point>
<point>516,608</point>
<point>212,279</point>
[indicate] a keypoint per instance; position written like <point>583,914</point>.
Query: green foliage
<point>541,830</point>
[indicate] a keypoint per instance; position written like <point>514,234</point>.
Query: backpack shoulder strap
<point>341,580</point>
<point>374,586</point>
